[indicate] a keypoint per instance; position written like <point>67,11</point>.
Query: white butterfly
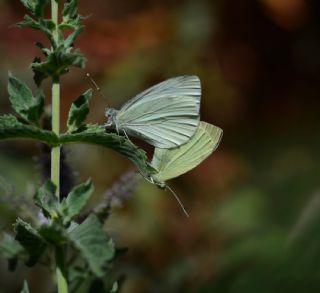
<point>175,162</point>
<point>165,115</point>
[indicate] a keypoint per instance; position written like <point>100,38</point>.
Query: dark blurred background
<point>255,203</point>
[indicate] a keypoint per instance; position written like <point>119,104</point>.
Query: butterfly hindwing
<point>174,162</point>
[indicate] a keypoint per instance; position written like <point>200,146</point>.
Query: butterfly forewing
<point>166,115</point>
<point>174,162</point>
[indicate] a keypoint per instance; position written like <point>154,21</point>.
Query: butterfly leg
<point>126,135</point>
<point>118,132</point>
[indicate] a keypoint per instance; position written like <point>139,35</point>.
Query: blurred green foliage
<point>254,204</point>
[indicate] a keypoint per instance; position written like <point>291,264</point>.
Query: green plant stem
<point>61,270</point>
<point>55,155</point>
<point>55,17</point>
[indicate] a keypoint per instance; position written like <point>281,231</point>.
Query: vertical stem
<point>55,16</point>
<point>55,155</point>
<point>60,271</point>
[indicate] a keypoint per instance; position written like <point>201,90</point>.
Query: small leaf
<point>30,240</point>
<point>59,61</point>
<point>29,22</point>
<point>73,36</point>
<point>46,200</point>
<point>11,128</point>
<point>77,273</point>
<point>76,200</point>
<point>79,111</point>
<point>9,247</point>
<point>23,102</point>
<point>70,10</point>
<point>93,243</point>
<point>25,288</point>
<point>47,26</point>
<point>35,7</point>
<point>30,5</point>
<point>36,111</point>
<point>53,234</point>
<point>71,23</point>
<point>38,76</point>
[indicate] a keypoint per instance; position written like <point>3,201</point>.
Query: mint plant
<point>81,249</point>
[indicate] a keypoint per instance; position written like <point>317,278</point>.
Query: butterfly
<point>165,115</point>
<point>171,163</point>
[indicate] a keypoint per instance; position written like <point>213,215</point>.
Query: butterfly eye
<point>110,113</point>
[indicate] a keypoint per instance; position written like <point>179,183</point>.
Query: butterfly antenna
<point>179,201</point>
<point>95,85</point>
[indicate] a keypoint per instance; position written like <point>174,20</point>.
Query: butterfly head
<point>111,114</point>
<point>160,184</point>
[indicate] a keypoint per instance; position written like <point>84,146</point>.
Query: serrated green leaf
<point>97,135</point>
<point>75,201</point>
<point>30,240</point>
<point>38,76</point>
<point>71,23</point>
<point>29,4</point>
<point>53,234</point>
<point>25,288</point>
<point>45,25</point>
<point>23,101</point>
<point>93,243</point>
<point>9,247</point>
<point>70,10</point>
<point>29,22</point>
<point>46,200</point>
<point>59,61</point>
<point>11,128</point>
<point>73,36</point>
<point>79,111</point>
<point>35,112</point>
<point>76,273</point>
<point>35,7</point>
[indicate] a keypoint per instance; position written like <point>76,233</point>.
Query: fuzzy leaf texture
<point>12,128</point>
<point>46,200</point>
<point>53,234</point>
<point>93,243</point>
<point>9,247</point>
<point>79,111</point>
<point>45,25</point>
<point>23,102</point>
<point>30,239</point>
<point>38,76</point>
<point>70,10</point>
<point>68,43</point>
<point>75,201</point>
<point>95,134</point>
<point>59,61</point>
<point>35,7</point>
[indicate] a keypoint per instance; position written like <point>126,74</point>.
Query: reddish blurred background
<point>254,199</point>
